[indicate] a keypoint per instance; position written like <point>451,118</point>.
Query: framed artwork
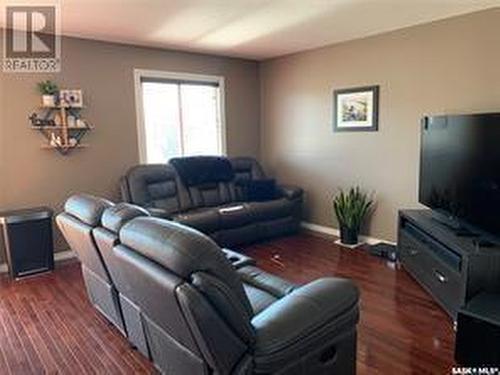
<point>356,109</point>
<point>71,98</point>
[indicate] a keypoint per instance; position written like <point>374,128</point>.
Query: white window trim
<point>141,126</point>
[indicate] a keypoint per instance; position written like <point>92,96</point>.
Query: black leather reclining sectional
<point>212,199</point>
<point>194,308</point>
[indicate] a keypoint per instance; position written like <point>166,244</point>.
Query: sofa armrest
<point>158,212</point>
<point>238,260</point>
<point>290,192</point>
<point>316,312</point>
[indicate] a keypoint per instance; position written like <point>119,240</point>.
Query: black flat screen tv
<point>460,168</point>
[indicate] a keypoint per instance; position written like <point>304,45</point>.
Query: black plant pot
<point>348,236</point>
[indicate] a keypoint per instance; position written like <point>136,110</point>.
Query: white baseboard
<point>336,233</point>
<point>58,257</point>
<point>64,255</point>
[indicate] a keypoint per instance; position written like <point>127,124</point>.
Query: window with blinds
<point>180,118</point>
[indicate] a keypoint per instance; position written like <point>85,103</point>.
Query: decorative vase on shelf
<point>71,120</point>
<point>80,123</point>
<point>49,100</point>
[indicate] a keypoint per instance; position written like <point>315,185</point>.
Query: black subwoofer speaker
<point>28,241</point>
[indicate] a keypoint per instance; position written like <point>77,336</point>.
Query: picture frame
<point>71,98</point>
<point>356,109</point>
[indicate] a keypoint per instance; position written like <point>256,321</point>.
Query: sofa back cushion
<point>198,170</point>
<point>180,249</point>
<point>106,237</point>
<point>259,190</point>
<point>193,307</point>
<point>213,181</point>
<point>156,186</point>
<point>212,194</point>
<point>245,169</point>
<point>209,179</point>
<point>190,256</point>
<point>82,213</point>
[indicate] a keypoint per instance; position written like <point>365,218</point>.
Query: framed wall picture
<point>356,109</point>
<point>71,98</point>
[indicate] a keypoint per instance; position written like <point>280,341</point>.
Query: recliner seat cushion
<point>259,298</point>
<point>234,215</point>
<point>275,334</point>
<point>263,288</point>
<point>203,219</point>
<point>312,317</point>
<point>269,210</point>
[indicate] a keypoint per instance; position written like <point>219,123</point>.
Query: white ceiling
<point>257,29</point>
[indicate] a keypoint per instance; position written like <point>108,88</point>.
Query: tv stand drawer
<point>441,252</point>
<point>446,286</point>
<point>450,267</point>
<point>443,282</point>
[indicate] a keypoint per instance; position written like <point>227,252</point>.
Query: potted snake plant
<point>351,208</point>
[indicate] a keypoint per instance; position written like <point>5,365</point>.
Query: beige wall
<point>444,67</point>
<point>452,66</point>
<point>30,176</point>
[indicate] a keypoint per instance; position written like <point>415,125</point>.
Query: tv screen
<point>460,168</point>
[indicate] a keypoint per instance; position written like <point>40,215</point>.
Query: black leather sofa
<point>194,308</point>
<point>82,213</point>
<point>215,205</point>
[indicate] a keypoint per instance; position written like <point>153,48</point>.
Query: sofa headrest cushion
<point>114,218</point>
<point>141,177</point>
<point>197,170</point>
<point>247,166</point>
<point>87,208</point>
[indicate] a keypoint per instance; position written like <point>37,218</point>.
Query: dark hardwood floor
<point>47,324</point>
<point>401,330</point>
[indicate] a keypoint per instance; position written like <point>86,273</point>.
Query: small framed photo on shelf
<point>356,109</point>
<point>71,98</point>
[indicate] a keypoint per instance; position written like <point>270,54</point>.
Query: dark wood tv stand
<point>452,268</point>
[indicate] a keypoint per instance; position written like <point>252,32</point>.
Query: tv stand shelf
<point>453,268</point>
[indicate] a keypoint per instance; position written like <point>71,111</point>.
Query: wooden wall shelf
<point>61,106</point>
<point>52,122</point>
<point>66,147</point>
<point>49,127</point>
